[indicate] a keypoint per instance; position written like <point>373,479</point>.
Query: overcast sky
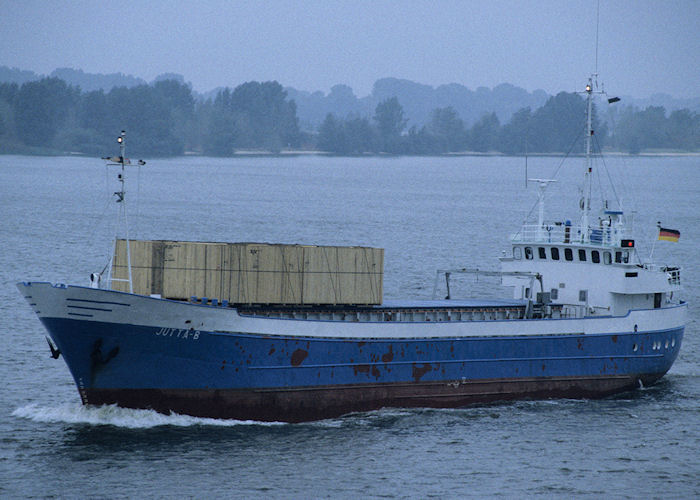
<point>645,46</point>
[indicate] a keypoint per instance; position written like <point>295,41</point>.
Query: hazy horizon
<point>645,47</point>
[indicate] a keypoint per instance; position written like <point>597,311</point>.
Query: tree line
<point>550,128</point>
<point>166,119</point>
<point>162,119</point>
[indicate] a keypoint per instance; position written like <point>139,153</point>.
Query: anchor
<point>55,351</point>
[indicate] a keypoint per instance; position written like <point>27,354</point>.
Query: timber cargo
<point>250,273</point>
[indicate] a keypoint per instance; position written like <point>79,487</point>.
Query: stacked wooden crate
<point>252,273</point>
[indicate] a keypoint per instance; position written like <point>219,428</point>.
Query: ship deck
<point>398,311</point>
<point>449,304</point>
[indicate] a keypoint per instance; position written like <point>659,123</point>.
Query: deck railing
<point>561,233</point>
<point>673,273</point>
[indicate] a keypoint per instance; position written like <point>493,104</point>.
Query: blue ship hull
<point>298,378</point>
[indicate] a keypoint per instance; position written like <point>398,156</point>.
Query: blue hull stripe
<point>118,356</point>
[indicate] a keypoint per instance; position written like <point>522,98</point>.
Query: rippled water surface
<point>57,224</point>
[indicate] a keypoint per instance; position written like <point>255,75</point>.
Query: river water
<point>58,221</point>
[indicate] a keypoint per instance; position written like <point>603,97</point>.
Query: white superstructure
<point>591,268</point>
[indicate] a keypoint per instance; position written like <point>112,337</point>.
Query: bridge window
<point>581,255</point>
<point>517,253</point>
<point>554,294</point>
<point>568,254</point>
<point>555,253</point>
<point>528,253</point>
<point>622,257</point>
<point>607,258</point>
<point>542,252</point>
<point>595,256</point>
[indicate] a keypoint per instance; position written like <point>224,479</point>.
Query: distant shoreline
<point>294,153</point>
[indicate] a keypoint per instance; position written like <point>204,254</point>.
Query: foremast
<point>122,219</point>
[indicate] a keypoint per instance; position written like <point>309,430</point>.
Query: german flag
<point>669,234</point>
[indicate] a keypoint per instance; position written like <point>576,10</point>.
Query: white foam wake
<point>120,417</point>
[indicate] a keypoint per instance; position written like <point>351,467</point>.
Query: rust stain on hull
<point>418,372</point>
<point>389,356</point>
<point>360,369</point>
<point>299,356</point>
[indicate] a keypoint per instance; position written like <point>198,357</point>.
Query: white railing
<point>560,233</point>
<point>673,273</point>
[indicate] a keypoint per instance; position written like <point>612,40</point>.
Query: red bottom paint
<point>317,403</point>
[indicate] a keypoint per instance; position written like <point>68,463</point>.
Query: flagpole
<point>653,245</point>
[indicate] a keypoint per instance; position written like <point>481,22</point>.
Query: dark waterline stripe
<point>90,308</point>
<point>99,302</point>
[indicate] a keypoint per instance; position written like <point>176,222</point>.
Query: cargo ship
<point>271,332</point>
